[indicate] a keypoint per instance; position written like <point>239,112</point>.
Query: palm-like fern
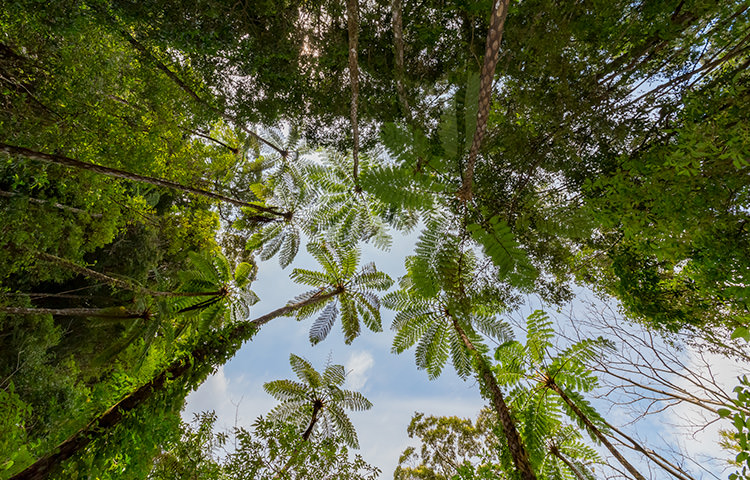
<point>354,300</point>
<point>444,300</point>
<point>345,213</point>
<point>212,292</point>
<point>543,385</point>
<point>317,401</point>
<point>284,187</point>
<point>441,289</point>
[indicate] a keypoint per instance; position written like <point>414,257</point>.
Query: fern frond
<point>334,375</point>
<point>322,325</point>
<point>432,350</point>
<point>460,357</point>
<point>285,389</point>
<point>349,319</point>
<point>289,247</point>
<point>410,331</point>
<point>305,371</point>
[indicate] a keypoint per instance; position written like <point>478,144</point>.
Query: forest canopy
<point>154,154</point>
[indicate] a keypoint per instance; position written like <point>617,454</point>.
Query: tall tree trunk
<point>117,312</point>
<point>550,383</point>
<point>557,453</point>
<point>494,38</point>
<point>39,201</point>
<point>352,20</point>
<point>230,340</point>
<point>515,444</point>
<point>398,46</point>
<point>113,172</point>
<point>120,283</point>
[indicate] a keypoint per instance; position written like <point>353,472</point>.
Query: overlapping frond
<point>317,400</point>
<point>305,371</point>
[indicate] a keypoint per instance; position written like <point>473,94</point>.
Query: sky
<point>391,382</point>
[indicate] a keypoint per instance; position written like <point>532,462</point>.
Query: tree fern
<point>317,401</point>
<point>354,299</point>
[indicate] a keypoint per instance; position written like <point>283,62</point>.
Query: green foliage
<point>443,289</point>
<point>450,446</point>
<point>740,437</point>
<point>259,453</point>
<point>529,370</point>
<point>317,402</point>
<point>14,413</point>
<point>353,291</point>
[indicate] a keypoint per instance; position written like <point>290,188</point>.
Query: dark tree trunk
<point>231,339</point>
<point>114,172</point>
<point>593,429</point>
<point>515,444</point>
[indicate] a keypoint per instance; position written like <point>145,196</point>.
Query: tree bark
<point>494,38</point>
<point>201,354</point>
<point>593,429</point>
<point>75,312</point>
<point>515,444</point>
<point>352,20</point>
<point>398,46</point>
<point>113,172</point>
<point>39,201</point>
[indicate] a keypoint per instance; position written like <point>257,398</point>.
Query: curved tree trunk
<point>515,444</point>
<point>114,172</point>
<point>593,429</point>
<point>494,38</point>
<point>231,339</point>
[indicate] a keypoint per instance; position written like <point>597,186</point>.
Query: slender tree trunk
<point>494,38</point>
<point>515,444</point>
<point>305,437</point>
<point>39,201</point>
<point>231,339</point>
<point>592,428</point>
<point>113,172</point>
<point>556,452</point>
<point>398,46</point>
<point>118,312</point>
<point>120,283</point>
<point>352,20</point>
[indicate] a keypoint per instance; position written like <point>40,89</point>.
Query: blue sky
<point>391,382</point>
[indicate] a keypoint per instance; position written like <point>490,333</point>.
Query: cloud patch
<point>357,367</point>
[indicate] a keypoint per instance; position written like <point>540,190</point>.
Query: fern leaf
<point>322,325</point>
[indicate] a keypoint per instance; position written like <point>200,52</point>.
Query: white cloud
<point>695,429</point>
<point>357,366</point>
<point>234,402</point>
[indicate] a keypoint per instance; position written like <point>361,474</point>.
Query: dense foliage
<point>151,150</point>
